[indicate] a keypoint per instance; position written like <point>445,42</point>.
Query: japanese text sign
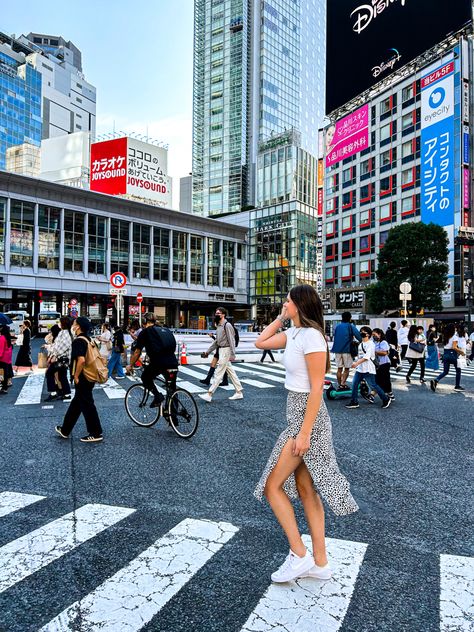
<point>348,136</point>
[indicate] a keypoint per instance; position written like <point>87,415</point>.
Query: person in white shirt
<point>302,463</point>
<point>403,338</point>
<point>365,369</point>
<point>453,344</point>
<point>105,340</point>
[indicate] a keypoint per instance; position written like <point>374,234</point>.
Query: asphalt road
<point>166,535</point>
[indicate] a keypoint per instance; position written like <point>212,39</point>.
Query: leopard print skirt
<point>320,459</point>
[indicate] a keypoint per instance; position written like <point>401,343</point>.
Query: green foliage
<point>413,252</point>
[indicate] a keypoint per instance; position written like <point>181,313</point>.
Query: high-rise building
<point>20,98</point>
<point>258,72</point>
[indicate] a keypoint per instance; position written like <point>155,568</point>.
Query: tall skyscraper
<point>258,72</point>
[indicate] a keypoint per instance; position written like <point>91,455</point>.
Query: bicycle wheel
<point>137,405</point>
<point>183,413</point>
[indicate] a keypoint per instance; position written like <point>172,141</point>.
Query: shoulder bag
<point>419,347</point>
<point>353,345</point>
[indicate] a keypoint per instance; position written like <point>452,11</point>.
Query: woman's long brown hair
<point>310,311</point>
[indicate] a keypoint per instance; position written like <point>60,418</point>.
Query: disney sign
<point>368,12</point>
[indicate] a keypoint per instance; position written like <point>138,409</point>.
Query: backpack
<point>95,366</point>
<point>236,333</point>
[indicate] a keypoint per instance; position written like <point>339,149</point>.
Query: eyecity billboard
<point>132,168</point>
<point>368,40</point>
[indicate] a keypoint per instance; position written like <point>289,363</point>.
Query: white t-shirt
<point>462,342</point>
<point>299,342</point>
<point>366,350</point>
<point>403,335</point>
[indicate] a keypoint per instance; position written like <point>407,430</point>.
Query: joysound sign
<point>368,40</point>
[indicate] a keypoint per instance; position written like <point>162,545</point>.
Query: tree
<point>413,252</point>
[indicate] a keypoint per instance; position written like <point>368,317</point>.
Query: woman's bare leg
<point>279,501</point>
<point>314,512</point>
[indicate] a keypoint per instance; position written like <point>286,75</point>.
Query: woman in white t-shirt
<point>303,462</point>
<point>105,340</point>
<point>454,347</point>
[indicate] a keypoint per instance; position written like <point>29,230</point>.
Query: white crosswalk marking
<point>113,390</point>
<point>37,549</point>
<point>32,389</point>
<point>310,605</point>
<point>274,369</point>
<point>457,593</point>
<point>193,373</point>
<point>191,387</point>
<point>136,593</point>
<point>11,501</point>
<point>256,383</point>
<point>271,377</point>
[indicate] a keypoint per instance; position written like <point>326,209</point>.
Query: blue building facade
<point>20,104</point>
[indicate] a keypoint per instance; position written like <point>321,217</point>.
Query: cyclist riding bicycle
<point>160,345</point>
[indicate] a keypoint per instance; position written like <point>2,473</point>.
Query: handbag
<point>419,347</point>
<point>42,360</point>
<point>462,362</point>
<point>19,340</point>
<point>353,345</point>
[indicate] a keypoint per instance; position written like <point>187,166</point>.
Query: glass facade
<point>49,224</point>
<point>282,251</point>
<point>119,244</point>
<point>20,104</point>
<point>22,220</point>
<point>3,222</point>
<point>74,241</point>
<point>97,245</point>
<point>213,261</point>
<point>179,256</point>
<point>161,254</point>
<point>141,251</point>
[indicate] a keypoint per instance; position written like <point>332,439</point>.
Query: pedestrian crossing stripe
<point>136,593</point>
<point>32,552</point>
<point>307,605</point>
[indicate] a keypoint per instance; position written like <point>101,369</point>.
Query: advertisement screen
<point>147,172</point>
<point>347,136</point>
<point>109,166</point>
<point>437,144</point>
<point>368,40</point>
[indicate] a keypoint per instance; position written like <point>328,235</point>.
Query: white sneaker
<point>293,567</point>
<point>319,572</point>
<point>206,397</point>
<point>237,395</point>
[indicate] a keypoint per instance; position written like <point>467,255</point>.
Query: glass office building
<point>258,72</point>
<point>20,103</point>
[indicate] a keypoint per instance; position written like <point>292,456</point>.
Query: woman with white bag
<point>454,351</point>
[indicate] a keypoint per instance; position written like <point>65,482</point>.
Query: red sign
<point>73,302</point>
<point>118,280</point>
<point>320,201</point>
<point>139,297</point>
<point>108,171</point>
<point>438,74</point>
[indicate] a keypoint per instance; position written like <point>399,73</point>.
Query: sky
<point>139,56</point>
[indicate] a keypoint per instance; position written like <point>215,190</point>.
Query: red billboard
<point>109,166</point>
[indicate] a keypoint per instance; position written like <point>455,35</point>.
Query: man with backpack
<point>344,346</point>
<point>86,370</point>
<point>226,341</point>
<point>160,345</point>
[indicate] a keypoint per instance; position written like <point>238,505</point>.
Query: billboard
<point>129,167</point>
<point>368,40</point>
<point>437,144</point>
<point>347,136</point>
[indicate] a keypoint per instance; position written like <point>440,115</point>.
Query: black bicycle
<point>179,407</point>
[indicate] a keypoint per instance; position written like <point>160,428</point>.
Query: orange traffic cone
<point>184,357</point>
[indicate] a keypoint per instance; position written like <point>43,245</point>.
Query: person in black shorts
<point>160,346</point>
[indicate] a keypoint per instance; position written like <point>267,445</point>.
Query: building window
<point>407,204</point>
<point>407,120</point>
<point>97,244</point>
<point>347,224</point>
<point>386,105</point>
<point>49,237</point>
<point>161,254</point>
<point>197,260</point>
<point>331,274</point>
<point>407,149</point>
<point>407,177</point>
<point>347,248</point>
<point>385,212</point>
<point>213,261</point>
<point>386,185</point>
<point>228,264</point>
<point>73,241</point>
<point>347,175</point>
<point>21,239</point>
<point>364,269</point>
<point>119,243</point>
<point>331,228</point>
<point>365,218</point>
<point>365,167</point>
<point>407,93</point>
<point>330,206</point>
<point>346,272</point>
<point>365,243</point>
<point>383,236</point>
<point>179,256</point>
<point>141,251</point>
<point>385,132</point>
<point>347,199</point>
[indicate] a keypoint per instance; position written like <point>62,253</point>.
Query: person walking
<point>225,342</point>
<point>343,348</point>
<point>303,463</point>
<point>471,339</point>
<point>6,351</point>
<point>23,357</point>
<point>60,359</point>
<point>382,375</point>
<point>212,368</point>
<point>432,361</point>
<point>391,337</point>
<point>115,360</point>
<point>451,353</point>
<point>366,370</point>
<point>416,352</point>
<point>403,339</point>
<point>83,400</point>
<point>105,339</point>
<point>264,355</point>
<point>51,369</point>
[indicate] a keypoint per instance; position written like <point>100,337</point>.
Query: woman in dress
<point>432,361</point>
<point>23,357</point>
<point>416,336</point>
<point>303,464</point>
